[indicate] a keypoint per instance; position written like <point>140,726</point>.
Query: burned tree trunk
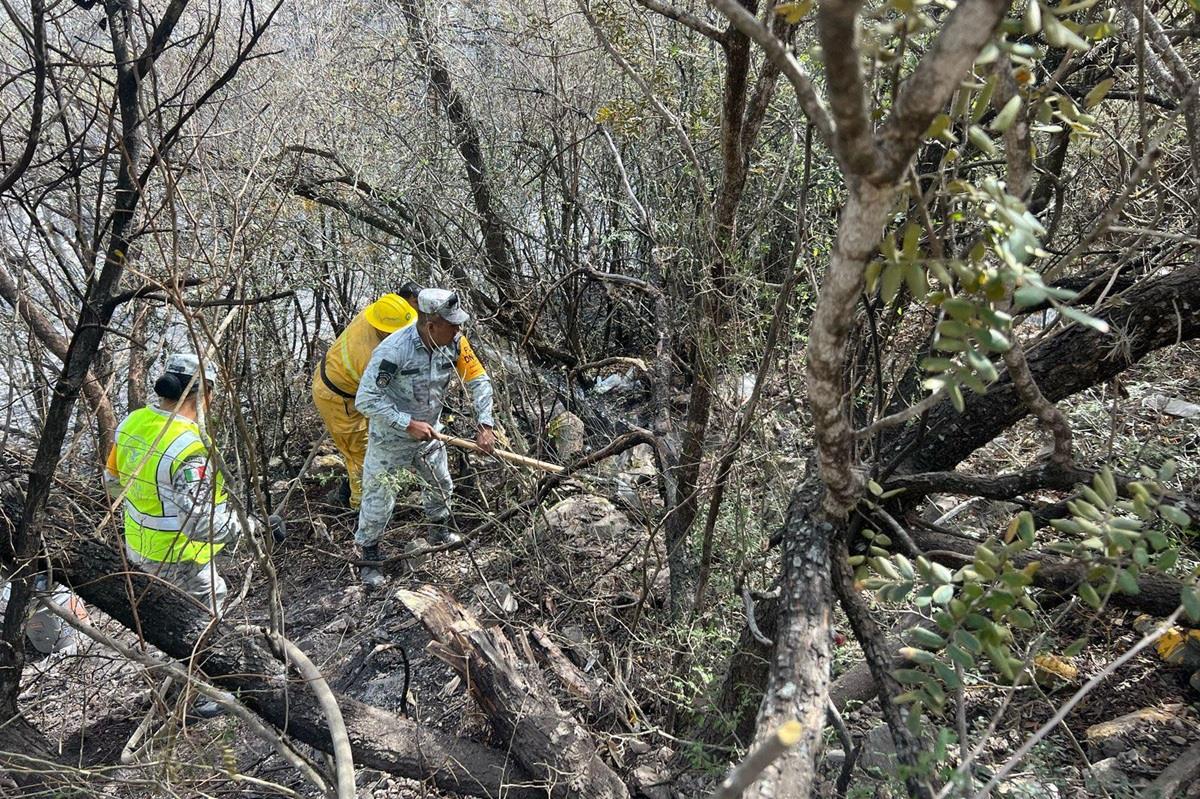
<point>1155,314</point>
<point>514,695</point>
<point>799,676</point>
<point>247,666</point>
<point>1157,593</point>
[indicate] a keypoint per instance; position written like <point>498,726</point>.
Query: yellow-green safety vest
<point>151,448</point>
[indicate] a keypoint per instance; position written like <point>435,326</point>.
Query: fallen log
<point>245,664</point>
<point>1181,774</point>
<point>546,740</point>
<point>602,702</point>
<point>1157,594</point>
<point>1154,313</point>
<point>30,765</point>
<point>856,684</point>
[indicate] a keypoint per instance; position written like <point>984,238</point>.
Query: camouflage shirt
<point>405,380</point>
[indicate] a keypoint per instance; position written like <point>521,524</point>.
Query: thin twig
<point>1070,704</point>
<point>751,622</point>
<point>342,755</point>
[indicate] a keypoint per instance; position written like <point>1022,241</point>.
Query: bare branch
<point>781,55</point>
<point>854,144</point>
<point>1046,412</point>
<point>935,79</point>
<point>686,18</point>
<point>38,45</point>
<point>684,141</point>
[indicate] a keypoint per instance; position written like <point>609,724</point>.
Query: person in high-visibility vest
<point>176,511</point>
<point>335,382</point>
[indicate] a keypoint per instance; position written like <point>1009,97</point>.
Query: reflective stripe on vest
<point>151,447</point>
<point>355,375</point>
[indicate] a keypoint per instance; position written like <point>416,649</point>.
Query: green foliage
<point>980,609</point>
<point>972,293</point>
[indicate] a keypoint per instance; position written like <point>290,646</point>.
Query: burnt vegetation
<point>864,334</point>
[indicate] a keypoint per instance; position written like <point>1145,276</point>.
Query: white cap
<point>443,303</point>
<point>188,365</point>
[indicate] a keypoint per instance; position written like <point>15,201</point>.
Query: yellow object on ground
<point>1060,667</point>
<point>1178,646</point>
<point>336,380</point>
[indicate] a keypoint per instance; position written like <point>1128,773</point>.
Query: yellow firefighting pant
<point>348,429</point>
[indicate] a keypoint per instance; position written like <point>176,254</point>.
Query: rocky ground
<point>589,572</point>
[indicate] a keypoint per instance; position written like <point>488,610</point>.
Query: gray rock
<point>1106,776</point>
<point>416,545</point>
<point>637,746</point>
<point>878,750</point>
<point>587,516</point>
<point>1172,406</point>
<point>566,432</point>
<point>626,495</point>
<point>616,382</point>
<point>638,465</point>
<point>497,597</point>
<point>339,626</point>
<point>327,463</point>
<point>652,783</point>
<point>1111,738</point>
<point>1028,788</point>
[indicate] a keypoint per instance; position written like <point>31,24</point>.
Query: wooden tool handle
<point>502,454</point>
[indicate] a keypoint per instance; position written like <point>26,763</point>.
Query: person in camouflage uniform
<point>401,393</point>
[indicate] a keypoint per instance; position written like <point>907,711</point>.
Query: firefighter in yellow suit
<point>335,382</point>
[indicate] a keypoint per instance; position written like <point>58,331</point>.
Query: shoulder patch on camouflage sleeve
<point>387,370</point>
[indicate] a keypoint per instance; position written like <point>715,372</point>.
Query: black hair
<point>409,290</point>
<point>172,384</point>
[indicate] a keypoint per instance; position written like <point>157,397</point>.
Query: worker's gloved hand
<point>486,439</point>
<point>278,528</point>
<point>421,431</point>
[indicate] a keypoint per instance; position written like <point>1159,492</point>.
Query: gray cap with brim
<point>444,303</point>
<point>188,365</point>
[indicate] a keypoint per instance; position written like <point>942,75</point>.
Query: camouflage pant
<point>203,582</point>
<point>386,457</point>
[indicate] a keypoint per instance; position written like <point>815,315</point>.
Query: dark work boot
<point>371,576</point>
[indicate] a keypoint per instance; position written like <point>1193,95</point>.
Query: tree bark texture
<point>799,676</point>
<point>246,666</point>
<point>879,660</point>
<point>859,233</point>
<point>513,693</point>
